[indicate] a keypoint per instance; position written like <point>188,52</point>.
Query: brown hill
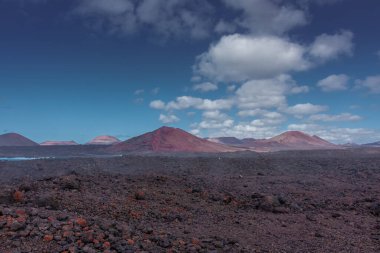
<point>291,140</point>
<point>104,140</point>
<point>167,139</point>
<point>300,140</point>
<point>59,143</point>
<point>13,139</point>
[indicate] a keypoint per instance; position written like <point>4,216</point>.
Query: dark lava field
<point>309,201</point>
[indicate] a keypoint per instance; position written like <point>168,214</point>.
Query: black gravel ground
<point>316,201</point>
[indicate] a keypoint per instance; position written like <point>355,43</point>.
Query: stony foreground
<point>285,202</point>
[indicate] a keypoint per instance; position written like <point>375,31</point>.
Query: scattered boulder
<point>18,196</point>
<point>140,195</point>
<point>375,209</point>
<point>6,196</point>
<point>47,200</point>
<point>70,183</point>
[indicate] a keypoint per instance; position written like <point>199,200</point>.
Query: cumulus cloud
<point>224,27</point>
<point>300,110</point>
<point>327,47</point>
<point>371,83</point>
<point>244,130</point>
<point>269,119</point>
<point>333,118</point>
<point>215,124</point>
<point>334,83</point>
<point>267,16</point>
<point>251,113</point>
<point>231,88</point>
<point>266,93</point>
<point>167,18</point>
<point>255,98</point>
<point>215,115</point>
<point>139,92</point>
<point>186,102</point>
<point>167,119</point>
<point>155,91</point>
<point>338,135</point>
<point>157,104</point>
<point>242,57</point>
<point>205,87</point>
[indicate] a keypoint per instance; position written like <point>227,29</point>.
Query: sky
<point>76,69</point>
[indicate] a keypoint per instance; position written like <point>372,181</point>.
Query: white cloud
<point>269,119</point>
<point>167,18</point>
<point>138,92</point>
<point>138,101</point>
<point>332,118</point>
<point>205,87</point>
<point>157,104</point>
<point>195,131</point>
<point>334,83</point>
<point>267,16</point>
<point>372,83</point>
<point>186,102</point>
<point>215,115</point>
<point>267,93</point>
<point>224,27</point>
<point>155,91</point>
<point>231,88</point>
<point>244,130</point>
<point>327,47</point>
<point>299,89</point>
<point>251,113</point>
<point>305,109</point>
<point>215,124</point>
<point>112,17</point>
<point>378,53</point>
<point>338,135</point>
<point>242,57</point>
<point>167,119</point>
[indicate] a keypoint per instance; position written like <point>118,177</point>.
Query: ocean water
<point>21,158</point>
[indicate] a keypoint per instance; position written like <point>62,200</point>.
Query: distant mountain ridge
<point>168,139</point>
<point>373,144</point>
<point>15,140</point>
<point>59,143</point>
<point>285,141</point>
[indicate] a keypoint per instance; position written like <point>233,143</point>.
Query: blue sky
<point>75,69</point>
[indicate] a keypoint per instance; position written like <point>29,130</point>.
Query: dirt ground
<point>309,201</point>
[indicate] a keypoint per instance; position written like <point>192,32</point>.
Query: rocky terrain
<point>304,201</point>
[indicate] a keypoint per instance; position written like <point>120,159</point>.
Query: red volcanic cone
<point>13,139</point>
<point>167,139</point>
